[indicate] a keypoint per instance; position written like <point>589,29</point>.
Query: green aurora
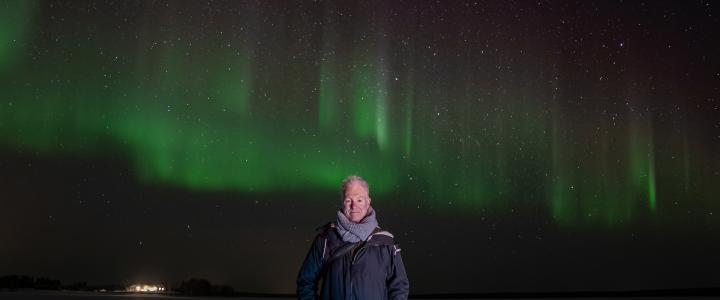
<point>255,108</point>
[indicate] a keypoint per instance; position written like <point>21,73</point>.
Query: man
<point>354,258</point>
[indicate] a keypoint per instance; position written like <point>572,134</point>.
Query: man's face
<point>356,202</point>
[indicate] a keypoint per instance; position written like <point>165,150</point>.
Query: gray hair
<point>353,179</point>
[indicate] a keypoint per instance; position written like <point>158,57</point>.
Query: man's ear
<point>369,200</point>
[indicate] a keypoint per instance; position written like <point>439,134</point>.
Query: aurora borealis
<point>543,118</point>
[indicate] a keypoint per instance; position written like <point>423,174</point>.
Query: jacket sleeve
<point>309,275</point>
<point>398,285</point>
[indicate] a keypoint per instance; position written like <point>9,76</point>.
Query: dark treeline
<point>27,282</point>
<point>192,287</point>
<point>203,287</point>
<point>13,282</point>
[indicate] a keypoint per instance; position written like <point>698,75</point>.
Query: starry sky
<point>510,146</point>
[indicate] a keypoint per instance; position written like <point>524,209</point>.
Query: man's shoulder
<point>384,238</point>
<point>381,237</point>
<point>325,228</point>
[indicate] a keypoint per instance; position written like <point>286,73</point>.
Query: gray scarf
<point>355,232</point>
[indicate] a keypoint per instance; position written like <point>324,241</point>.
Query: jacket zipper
<point>352,263</point>
<point>351,286</point>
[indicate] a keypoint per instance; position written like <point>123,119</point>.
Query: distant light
<point>145,288</point>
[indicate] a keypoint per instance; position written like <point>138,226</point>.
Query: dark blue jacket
<point>367,270</point>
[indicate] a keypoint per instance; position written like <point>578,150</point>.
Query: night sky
<point>510,146</point>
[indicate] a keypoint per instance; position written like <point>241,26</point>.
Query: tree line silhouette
<point>191,287</point>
